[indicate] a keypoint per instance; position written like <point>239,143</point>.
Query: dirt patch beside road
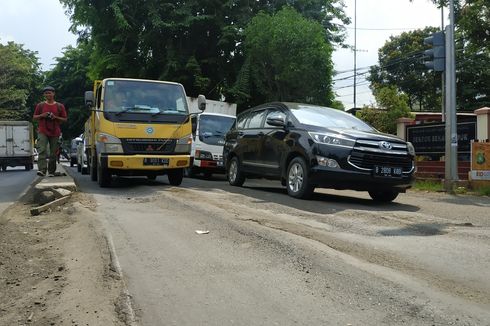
<point>55,267</point>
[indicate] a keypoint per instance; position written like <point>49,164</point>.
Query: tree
<point>392,105</point>
<point>401,64</point>
<point>198,42</point>
<point>287,59</point>
<point>20,77</point>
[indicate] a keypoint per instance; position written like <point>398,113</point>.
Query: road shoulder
<point>55,267</point>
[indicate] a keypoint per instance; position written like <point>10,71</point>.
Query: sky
<point>42,26</point>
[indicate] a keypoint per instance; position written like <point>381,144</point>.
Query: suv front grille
<point>148,146</point>
<point>367,154</point>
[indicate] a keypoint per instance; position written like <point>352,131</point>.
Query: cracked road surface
<point>269,259</point>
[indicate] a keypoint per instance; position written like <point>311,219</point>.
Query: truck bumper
<point>144,162</point>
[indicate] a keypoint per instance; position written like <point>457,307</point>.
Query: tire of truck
<point>175,176</point>
<point>104,178</point>
<point>92,167</point>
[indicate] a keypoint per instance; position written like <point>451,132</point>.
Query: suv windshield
<point>330,118</point>
<point>136,100</point>
<point>212,128</point>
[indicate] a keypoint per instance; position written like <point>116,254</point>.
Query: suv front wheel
<point>298,181</point>
<point>235,175</point>
<point>383,196</point>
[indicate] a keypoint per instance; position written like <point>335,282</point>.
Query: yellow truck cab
<point>138,128</point>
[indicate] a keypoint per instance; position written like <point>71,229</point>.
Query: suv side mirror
<point>201,102</point>
<point>89,99</point>
<point>276,120</point>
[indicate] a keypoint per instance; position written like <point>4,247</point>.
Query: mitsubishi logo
<point>385,145</point>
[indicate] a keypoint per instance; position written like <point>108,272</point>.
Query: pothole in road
<point>417,230</point>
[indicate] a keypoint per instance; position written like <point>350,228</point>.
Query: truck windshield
<point>130,100</point>
<point>212,128</point>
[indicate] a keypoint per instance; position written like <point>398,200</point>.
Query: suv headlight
<point>332,139</point>
<point>108,144</point>
<point>184,144</point>
<point>410,148</point>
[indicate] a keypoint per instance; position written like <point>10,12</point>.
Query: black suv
<point>307,146</point>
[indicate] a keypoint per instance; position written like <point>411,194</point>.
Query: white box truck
<point>16,144</point>
<point>208,132</point>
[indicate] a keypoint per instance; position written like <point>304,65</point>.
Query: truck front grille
<point>148,146</point>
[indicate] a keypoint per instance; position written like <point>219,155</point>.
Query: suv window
<point>256,119</point>
<point>240,121</point>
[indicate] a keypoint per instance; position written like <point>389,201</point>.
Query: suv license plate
<point>155,161</point>
<point>387,171</point>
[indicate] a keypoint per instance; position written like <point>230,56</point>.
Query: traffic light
<point>435,58</point>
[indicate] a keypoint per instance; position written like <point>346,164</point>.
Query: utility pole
<point>451,159</point>
<point>355,52</point>
<point>443,76</point>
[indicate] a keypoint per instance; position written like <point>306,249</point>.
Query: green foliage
<point>401,61</point>
<point>393,105</point>
<point>288,60</point>
<point>427,185</point>
<point>20,77</point>
<point>198,42</point>
<point>401,64</point>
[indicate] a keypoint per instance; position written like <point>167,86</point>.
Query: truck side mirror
<point>201,102</point>
<point>89,99</point>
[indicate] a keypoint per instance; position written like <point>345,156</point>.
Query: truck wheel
<point>175,176</point>
<point>104,178</point>
<point>298,182</point>
<point>92,168</point>
<point>383,196</point>
<point>234,173</point>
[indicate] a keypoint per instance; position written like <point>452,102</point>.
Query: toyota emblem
<point>385,145</point>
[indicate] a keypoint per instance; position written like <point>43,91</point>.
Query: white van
<point>208,133</point>
<point>73,150</point>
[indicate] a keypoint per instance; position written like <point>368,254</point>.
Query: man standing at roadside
<point>50,115</point>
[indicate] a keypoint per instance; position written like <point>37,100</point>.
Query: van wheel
<point>189,172</point>
<point>207,175</point>
<point>175,176</point>
<point>383,196</point>
<point>235,175</point>
<point>298,182</point>
<point>103,176</point>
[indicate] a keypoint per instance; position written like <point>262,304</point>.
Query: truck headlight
<point>332,139</point>
<point>184,144</point>
<point>108,144</point>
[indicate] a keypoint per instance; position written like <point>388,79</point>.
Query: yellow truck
<point>138,127</point>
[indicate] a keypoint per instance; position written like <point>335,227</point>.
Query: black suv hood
<point>359,134</point>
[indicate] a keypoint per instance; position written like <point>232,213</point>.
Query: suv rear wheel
<point>298,182</point>
<point>235,175</point>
